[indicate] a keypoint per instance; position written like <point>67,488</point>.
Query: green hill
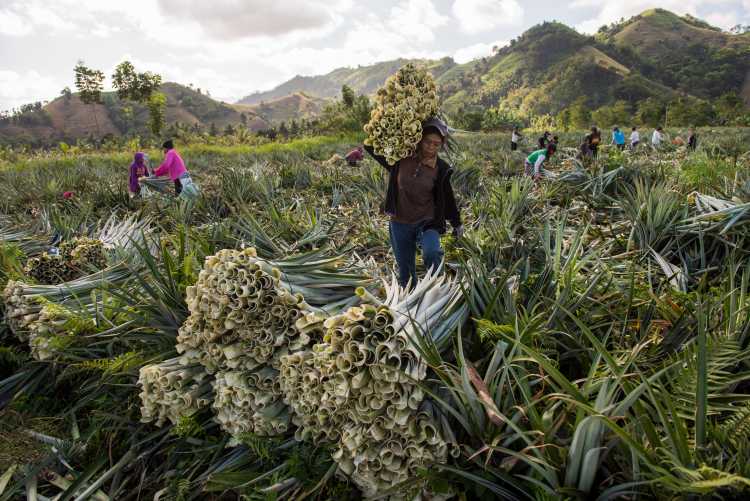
<point>363,80</point>
<point>545,70</point>
<point>69,119</point>
<point>684,53</point>
<point>284,109</point>
<point>655,54</point>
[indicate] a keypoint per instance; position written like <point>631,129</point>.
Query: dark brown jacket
<point>445,202</point>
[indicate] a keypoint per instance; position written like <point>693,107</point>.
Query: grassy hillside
<point>543,71</point>
<point>685,53</point>
<point>284,109</point>
<point>69,119</point>
<point>363,79</point>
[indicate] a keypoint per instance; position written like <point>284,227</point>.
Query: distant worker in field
<point>657,137</point>
<point>593,140</point>
<point>618,138</point>
<point>544,140</point>
<point>692,139</point>
<point>515,137</point>
<point>354,157</point>
<point>533,165</point>
<point>419,200</point>
<point>635,138</point>
<point>174,167</point>
<point>138,169</point>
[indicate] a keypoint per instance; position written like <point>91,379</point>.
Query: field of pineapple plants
<point>587,338</point>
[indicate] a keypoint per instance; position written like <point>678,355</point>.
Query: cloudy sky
<point>235,47</point>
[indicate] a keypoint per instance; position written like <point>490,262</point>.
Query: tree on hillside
<point>66,94</point>
<point>140,88</point>
<point>578,114</point>
<point>730,108</point>
<point>351,113</point>
<point>283,130</point>
<point>615,114</point>
<point>689,111</point>
<point>89,83</point>
<point>133,85</point>
<point>650,112</point>
<point>347,96</point>
<point>157,105</point>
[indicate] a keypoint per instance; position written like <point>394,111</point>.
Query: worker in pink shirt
<point>174,167</point>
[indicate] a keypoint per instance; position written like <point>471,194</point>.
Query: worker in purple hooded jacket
<point>139,168</point>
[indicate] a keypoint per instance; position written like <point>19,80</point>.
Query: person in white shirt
<point>515,137</point>
<point>635,138</point>
<point>657,137</point>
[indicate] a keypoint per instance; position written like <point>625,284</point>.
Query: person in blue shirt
<point>618,138</point>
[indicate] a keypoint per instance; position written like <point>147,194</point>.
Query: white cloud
<point>12,24</point>
<point>233,19</point>
<point>419,18</point>
<point>466,54</point>
<point>725,20</point>
<point>21,18</point>
<point>485,15</point>
<point>20,88</point>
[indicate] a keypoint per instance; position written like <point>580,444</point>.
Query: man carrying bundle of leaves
<point>419,200</point>
<point>404,136</point>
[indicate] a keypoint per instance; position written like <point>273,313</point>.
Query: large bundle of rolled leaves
<point>360,386</point>
<point>243,311</point>
<point>76,257</point>
<point>408,98</point>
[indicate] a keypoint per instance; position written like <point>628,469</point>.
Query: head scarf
<point>138,159</point>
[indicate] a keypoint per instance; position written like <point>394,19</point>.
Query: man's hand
<point>458,231</point>
<point>142,179</point>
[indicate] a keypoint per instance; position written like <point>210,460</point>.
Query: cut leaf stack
<point>408,98</point>
<point>360,387</point>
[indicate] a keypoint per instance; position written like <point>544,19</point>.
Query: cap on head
<point>168,144</point>
<point>437,124</point>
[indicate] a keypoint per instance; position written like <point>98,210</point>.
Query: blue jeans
<point>404,240</point>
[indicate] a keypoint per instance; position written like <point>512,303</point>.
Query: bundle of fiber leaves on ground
<point>56,328</point>
<point>49,269</point>
<point>24,302</point>
<point>171,391</point>
<point>75,258</point>
<point>243,311</point>
<point>360,387</point>
<point>408,98</point>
